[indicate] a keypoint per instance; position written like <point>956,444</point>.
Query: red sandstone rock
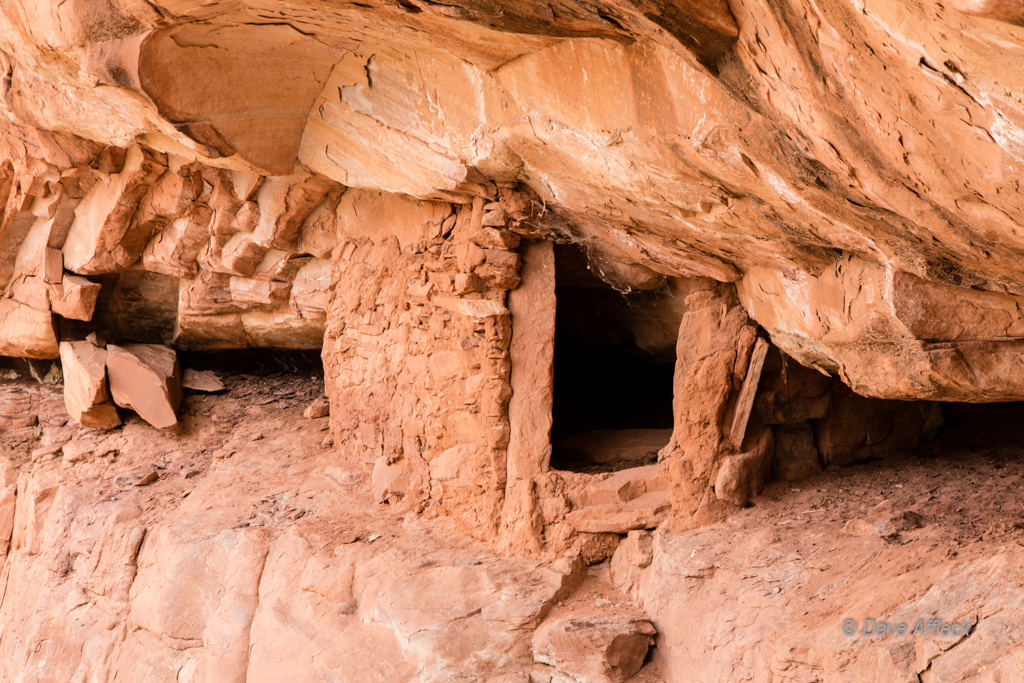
<point>633,555</point>
<point>8,489</point>
<point>857,429</point>
<point>795,393</point>
<point>795,454</point>
<point>74,298</point>
<point>105,237</point>
<point>85,385</point>
<point>595,548</point>
<point>532,306</point>
<point>474,308</point>
<point>52,270</point>
<point>643,512</point>
<point>26,331</point>
<point>857,173</point>
<point>741,477</point>
<point>201,380</point>
<point>469,282</point>
<point>146,378</point>
<point>626,485</point>
<point>594,649</point>
<point>493,238</point>
<point>709,358</point>
<point>321,407</point>
<point>389,480</point>
<point>1009,11</point>
<point>251,293</point>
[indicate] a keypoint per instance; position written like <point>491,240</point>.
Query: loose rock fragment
<point>495,238</point>
<point>594,548</point>
<point>146,378</point>
<point>201,380</point>
<point>594,650</point>
<point>742,476</point>
<point>634,553</point>
<point>321,407</point>
<point>74,298</point>
<point>389,480</point>
<point>85,385</point>
<point>143,477</point>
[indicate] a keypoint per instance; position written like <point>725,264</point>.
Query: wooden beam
<point>745,401</point>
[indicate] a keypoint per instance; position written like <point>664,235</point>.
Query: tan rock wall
<point>742,141</point>
<point>151,247</point>
<point>891,334</point>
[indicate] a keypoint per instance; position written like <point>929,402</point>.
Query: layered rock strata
<point>386,181</point>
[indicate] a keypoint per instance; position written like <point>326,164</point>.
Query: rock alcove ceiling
<point>596,289</point>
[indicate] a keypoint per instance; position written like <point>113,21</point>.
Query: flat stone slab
<point>85,385</point>
<point>146,378</point>
<point>644,512</point>
<point>201,380</point>
<point>626,485</point>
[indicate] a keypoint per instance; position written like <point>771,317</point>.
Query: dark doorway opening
<point>613,369</point>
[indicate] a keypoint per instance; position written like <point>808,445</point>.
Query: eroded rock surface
<point>833,184</point>
<point>240,549</point>
<point>765,595</point>
<point>880,138</point>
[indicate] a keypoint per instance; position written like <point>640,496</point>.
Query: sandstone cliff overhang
<point>760,143</point>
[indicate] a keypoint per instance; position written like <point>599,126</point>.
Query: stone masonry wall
<point>416,352</point>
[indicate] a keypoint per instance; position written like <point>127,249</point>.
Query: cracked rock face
<point>800,151</point>
<point>410,187</point>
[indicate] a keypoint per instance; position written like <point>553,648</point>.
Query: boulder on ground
<point>321,407</point>
<point>147,379</point>
<point>85,385</point>
<point>594,649</point>
<point>741,477</point>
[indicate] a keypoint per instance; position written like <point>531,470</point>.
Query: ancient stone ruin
<point>511,342</point>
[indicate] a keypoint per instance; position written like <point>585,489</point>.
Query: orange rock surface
<point>804,216</point>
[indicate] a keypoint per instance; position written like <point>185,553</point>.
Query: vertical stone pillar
<point>712,357</point>
<point>532,306</point>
